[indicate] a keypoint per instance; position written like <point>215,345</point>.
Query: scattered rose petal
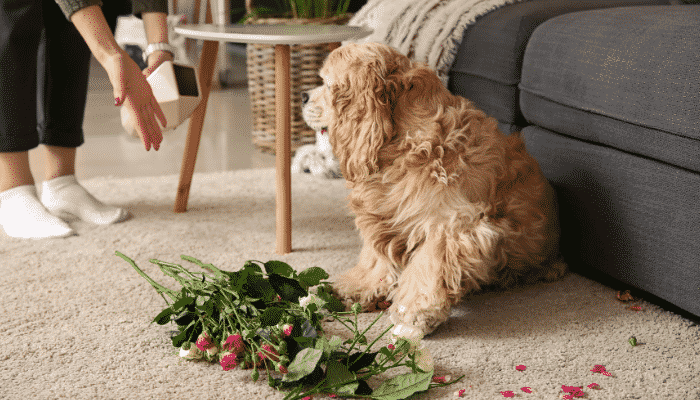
<point>574,391</point>
<point>526,389</point>
<point>520,367</point>
<point>634,308</point>
<point>460,393</point>
<point>594,386</point>
<point>442,379</point>
<point>601,370</point>
<point>508,393</point>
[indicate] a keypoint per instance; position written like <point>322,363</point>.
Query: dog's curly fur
<point>444,201</point>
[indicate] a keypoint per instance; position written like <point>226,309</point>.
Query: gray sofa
<point>607,95</point>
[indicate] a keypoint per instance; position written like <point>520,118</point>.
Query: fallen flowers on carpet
<point>267,317</point>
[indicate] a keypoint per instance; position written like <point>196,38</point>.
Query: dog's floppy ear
<point>363,104</point>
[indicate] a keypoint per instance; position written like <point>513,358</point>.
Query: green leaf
<point>333,304</point>
<point>303,364</point>
<point>164,316</point>
<point>312,276</point>
<point>259,288</point>
<point>271,316</point>
<point>337,374</point>
<point>185,318</point>
<point>358,361</point>
<point>288,289</point>
<point>207,308</point>
<point>363,389</point>
<point>402,386</point>
<point>237,279</point>
<point>328,346</point>
<point>279,268</point>
<point>182,303</point>
<point>252,268</point>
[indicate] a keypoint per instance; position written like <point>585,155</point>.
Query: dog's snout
<point>304,97</point>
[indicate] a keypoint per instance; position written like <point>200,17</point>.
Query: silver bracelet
<point>158,46</point>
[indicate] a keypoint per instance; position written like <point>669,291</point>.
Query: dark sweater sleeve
<point>142,6</point>
<point>70,6</point>
<point>139,6</point>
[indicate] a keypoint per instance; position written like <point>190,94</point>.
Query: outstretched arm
<point>128,82</point>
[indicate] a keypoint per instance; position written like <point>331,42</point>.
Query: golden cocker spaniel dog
<point>444,201</point>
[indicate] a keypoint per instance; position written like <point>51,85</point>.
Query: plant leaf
<point>271,316</point>
<point>312,276</point>
<point>288,289</point>
<point>333,304</point>
<point>257,287</point>
<point>363,389</point>
<point>303,364</point>
<point>252,268</point>
<point>164,316</point>
<point>402,386</point>
<point>358,361</point>
<point>279,268</point>
<point>336,374</point>
<point>182,303</point>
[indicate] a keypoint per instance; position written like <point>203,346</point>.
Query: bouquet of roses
<point>267,316</point>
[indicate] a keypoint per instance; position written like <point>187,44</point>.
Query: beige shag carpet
<point>75,318</point>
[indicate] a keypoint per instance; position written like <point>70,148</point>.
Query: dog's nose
<point>304,97</point>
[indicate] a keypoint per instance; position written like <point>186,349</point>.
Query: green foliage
<point>300,9</point>
<point>261,303</point>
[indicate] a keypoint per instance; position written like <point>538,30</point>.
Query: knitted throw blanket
<point>428,31</point>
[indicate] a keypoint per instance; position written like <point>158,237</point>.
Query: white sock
<point>65,198</point>
<point>23,216</point>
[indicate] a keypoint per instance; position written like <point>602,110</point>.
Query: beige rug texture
<point>75,318</point>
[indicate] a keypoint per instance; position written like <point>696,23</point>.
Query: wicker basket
<point>305,62</point>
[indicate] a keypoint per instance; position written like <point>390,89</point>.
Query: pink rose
<point>204,342</point>
<point>268,353</point>
<point>234,343</point>
<point>228,361</point>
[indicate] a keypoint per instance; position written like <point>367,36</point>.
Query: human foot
<point>66,198</point>
<point>23,216</point>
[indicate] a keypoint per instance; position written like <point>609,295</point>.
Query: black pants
<point>44,69</point>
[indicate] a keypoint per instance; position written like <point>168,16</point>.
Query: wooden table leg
<point>207,62</point>
<point>283,149</point>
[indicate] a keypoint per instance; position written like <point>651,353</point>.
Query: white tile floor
<point>226,142</point>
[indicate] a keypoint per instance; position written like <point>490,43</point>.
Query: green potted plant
<point>306,60</point>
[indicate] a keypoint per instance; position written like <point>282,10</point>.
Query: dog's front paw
<point>419,314</point>
<point>370,299</point>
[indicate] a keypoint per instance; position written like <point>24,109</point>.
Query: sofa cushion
<point>488,64</point>
<point>630,217</point>
<point>626,78</point>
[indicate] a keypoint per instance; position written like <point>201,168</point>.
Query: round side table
<point>282,36</point>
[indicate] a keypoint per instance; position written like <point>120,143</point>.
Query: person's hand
<point>133,92</point>
<point>155,59</point>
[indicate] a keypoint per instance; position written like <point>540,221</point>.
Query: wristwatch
<point>158,46</point>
